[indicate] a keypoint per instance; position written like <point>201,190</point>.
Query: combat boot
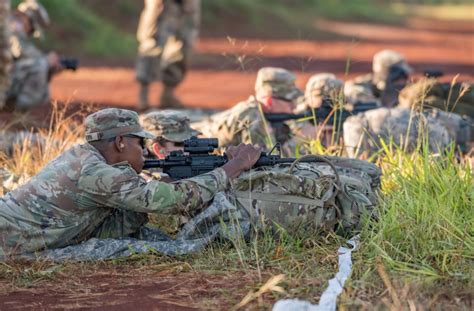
<point>168,100</point>
<point>143,97</point>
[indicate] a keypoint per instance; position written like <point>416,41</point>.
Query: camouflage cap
<point>112,122</point>
<point>384,59</point>
<point>171,125</point>
<point>37,14</point>
<point>357,93</point>
<point>323,85</point>
<point>278,82</point>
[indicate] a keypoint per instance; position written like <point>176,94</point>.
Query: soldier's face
<point>135,152</point>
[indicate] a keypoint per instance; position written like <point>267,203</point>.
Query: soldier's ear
<point>119,143</point>
<point>158,150</point>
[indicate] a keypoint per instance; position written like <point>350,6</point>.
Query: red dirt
<point>139,289</point>
<point>223,71</point>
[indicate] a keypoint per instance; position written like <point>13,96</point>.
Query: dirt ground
<point>223,70</point>
<point>223,73</point>
<point>118,288</point>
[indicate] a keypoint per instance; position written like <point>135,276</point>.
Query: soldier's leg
<point>121,224</point>
<point>176,53</point>
<point>150,47</point>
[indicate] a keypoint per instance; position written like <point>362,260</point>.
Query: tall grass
<point>44,144</point>
<point>426,225</point>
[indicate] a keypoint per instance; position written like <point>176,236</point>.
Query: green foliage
<point>78,30</point>
<point>426,217</point>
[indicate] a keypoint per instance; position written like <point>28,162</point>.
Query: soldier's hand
<point>241,158</point>
<point>54,63</point>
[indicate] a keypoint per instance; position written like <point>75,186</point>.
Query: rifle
<point>69,63</point>
<point>322,113</point>
<point>433,73</point>
<point>196,159</point>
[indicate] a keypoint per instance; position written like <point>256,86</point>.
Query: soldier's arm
<point>122,188</point>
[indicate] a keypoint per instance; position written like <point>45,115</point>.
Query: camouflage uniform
<point>386,65</point>
<point>321,90</point>
<point>171,125</point>
<point>457,115</point>
<point>428,92</point>
<point>78,195</point>
<point>363,132</point>
<point>30,71</point>
<point>244,123</point>
<point>5,57</point>
<point>166,34</point>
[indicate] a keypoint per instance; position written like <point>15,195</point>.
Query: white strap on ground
<point>328,301</point>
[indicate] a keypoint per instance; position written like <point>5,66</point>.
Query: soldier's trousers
<point>120,224</point>
<point>166,33</point>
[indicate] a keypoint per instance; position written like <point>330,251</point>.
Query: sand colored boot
<point>168,100</point>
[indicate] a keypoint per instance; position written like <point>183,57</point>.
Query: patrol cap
<point>112,122</point>
<point>384,59</point>
<point>279,82</point>
<point>323,85</point>
<point>171,125</point>
<point>37,14</point>
<point>355,93</point>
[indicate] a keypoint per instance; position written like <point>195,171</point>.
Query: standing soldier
<point>166,33</point>
<point>32,69</point>
<point>4,50</point>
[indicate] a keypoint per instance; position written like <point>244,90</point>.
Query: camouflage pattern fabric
<point>309,199</point>
<point>381,64</point>
<point>112,122</point>
<point>320,87</point>
<point>276,82</point>
<point>457,97</point>
<point>166,34</point>
<point>365,131</point>
<point>382,83</point>
<point>30,72</point>
<point>172,125</point>
<point>37,15</point>
<point>70,199</point>
<point>220,219</point>
<point>243,123</point>
<point>5,56</point>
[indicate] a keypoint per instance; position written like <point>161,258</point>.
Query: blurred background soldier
<point>367,133</point>
<point>4,50</point>
<point>390,74</point>
<point>275,92</point>
<point>166,33</point>
<point>171,129</point>
<point>32,69</point>
<point>322,90</point>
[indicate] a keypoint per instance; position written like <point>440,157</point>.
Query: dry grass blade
<point>270,286</point>
<point>386,280</point>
